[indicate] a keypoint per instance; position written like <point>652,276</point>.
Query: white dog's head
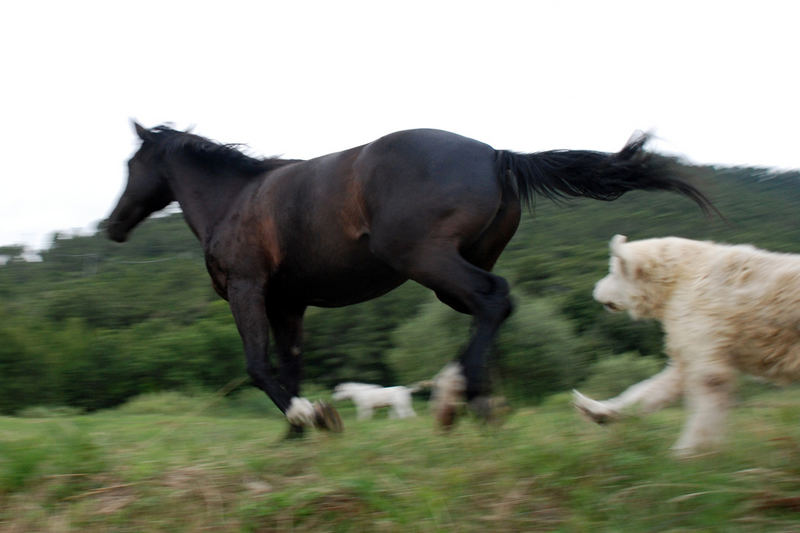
<point>612,291</point>
<point>641,276</point>
<point>342,391</point>
<point>345,391</point>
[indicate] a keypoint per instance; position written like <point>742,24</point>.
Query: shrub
<point>538,352</point>
<point>45,411</point>
<point>611,375</point>
<point>171,403</point>
<point>424,344</point>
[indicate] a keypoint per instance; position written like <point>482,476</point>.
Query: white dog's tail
<point>420,385</point>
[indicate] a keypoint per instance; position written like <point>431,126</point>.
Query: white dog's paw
<point>683,451</point>
<point>692,450</point>
<point>692,446</point>
<point>593,410</point>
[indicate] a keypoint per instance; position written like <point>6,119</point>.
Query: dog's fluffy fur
<point>367,397</point>
<point>723,309</point>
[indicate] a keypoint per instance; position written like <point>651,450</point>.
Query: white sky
<point>718,82</point>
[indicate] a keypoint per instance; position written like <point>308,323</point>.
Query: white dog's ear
<point>616,250</point>
<point>616,242</point>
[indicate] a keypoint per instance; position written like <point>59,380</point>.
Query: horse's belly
<point>336,288</point>
<point>336,297</point>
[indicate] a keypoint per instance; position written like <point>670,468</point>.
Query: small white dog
<point>723,308</point>
<point>367,397</point>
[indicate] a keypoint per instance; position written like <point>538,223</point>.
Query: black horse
<point>427,205</point>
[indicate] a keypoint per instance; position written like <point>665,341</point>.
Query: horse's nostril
<point>114,233</point>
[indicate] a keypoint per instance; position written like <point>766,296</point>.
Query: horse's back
<point>402,181</point>
<point>429,152</point>
<point>420,176</point>
<point>431,188</point>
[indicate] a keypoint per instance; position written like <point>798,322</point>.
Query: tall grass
<point>225,469</point>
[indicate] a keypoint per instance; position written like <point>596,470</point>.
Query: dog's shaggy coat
<point>367,397</point>
<point>723,309</point>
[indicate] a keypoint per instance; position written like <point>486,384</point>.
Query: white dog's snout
<point>595,294</point>
<point>605,293</point>
<point>600,291</point>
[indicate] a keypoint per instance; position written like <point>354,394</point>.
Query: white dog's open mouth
<point>612,307</point>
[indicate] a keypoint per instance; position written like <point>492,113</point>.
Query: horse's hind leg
<point>486,249</point>
<point>470,289</point>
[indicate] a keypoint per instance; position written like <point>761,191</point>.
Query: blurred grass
<point>219,467</point>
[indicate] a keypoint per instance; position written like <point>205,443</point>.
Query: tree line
<point>94,323</point>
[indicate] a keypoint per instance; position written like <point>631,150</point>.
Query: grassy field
<point>189,466</point>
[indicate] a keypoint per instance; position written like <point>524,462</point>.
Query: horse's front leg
<point>287,326</point>
<point>247,302</point>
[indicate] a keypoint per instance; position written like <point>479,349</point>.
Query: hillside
<point>95,323</point>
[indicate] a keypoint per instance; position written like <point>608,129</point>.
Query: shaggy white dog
<point>723,309</point>
<point>368,397</point>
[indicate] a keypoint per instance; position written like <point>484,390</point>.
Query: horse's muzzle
<point>114,232</point>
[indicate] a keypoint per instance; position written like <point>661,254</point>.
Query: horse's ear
<point>141,131</point>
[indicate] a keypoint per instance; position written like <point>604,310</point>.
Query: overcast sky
<point>717,82</point>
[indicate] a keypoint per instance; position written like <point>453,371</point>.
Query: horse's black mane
<point>210,152</point>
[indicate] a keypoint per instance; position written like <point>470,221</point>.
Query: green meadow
<point>176,462</point>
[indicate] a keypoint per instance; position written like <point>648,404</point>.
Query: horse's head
<point>147,190</point>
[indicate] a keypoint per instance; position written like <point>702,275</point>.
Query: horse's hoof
<point>490,409</point>
<point>446,417</point>
<point>294,433</point>
<point>481,406</point>
<point>327,417</point>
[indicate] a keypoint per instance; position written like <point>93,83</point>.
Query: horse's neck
<point>205,199</point>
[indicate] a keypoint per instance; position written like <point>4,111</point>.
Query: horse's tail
<point>557,174</point>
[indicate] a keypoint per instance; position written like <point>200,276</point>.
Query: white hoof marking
<point>300,412</point>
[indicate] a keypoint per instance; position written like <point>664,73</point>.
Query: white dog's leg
<point>651,394</point>
<point>364,412</point>
<point>708,397</point>
<point>403,407</point>
<point>408,409</point>
<point>596,411</point>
